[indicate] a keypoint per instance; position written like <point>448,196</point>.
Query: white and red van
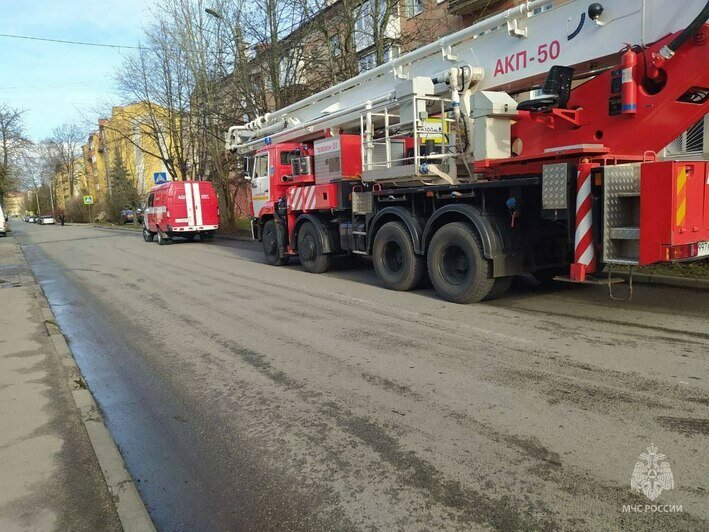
<point>181,209</point>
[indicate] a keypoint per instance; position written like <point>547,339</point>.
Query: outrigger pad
<point>590,280</point>
<point>555,92</point>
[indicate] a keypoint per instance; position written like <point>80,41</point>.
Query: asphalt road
<point>248,396</point>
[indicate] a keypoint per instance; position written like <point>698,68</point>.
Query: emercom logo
<point>651,476</point>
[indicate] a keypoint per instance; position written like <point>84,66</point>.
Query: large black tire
<point>395,262</point>
<point>310,251</point>
<point>163,239</point>
<point>456,265</point>
<point>269,241</point>
<point>501,286</point>
<point>147,235</point>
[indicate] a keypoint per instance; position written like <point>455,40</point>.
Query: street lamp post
<point>51,195</point>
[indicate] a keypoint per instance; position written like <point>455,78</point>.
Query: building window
<point>545,7</point>
<point>413,7</point>
<point>372,14</point>
<point>292,68</point>
<point>335,46</point>
<point>369,61</point>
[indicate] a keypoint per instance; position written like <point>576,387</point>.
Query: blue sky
<point>54,82</point>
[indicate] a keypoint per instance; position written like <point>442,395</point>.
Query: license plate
<point>703,249</point>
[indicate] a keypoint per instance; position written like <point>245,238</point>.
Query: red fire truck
<point>182,209</point>
<point>441,161</point>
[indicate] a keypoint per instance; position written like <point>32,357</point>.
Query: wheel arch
<point>261,222</point>
<point>396,214</point>
<point>326,235</point>
<point>494,236</point>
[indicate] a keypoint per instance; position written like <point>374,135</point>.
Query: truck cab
<point>272,173</point>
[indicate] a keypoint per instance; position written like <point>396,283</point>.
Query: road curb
<point>666,280</point>
<point>129,505</point>
<point>117,228</point>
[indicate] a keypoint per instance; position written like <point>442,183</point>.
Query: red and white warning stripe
<point>193,202</point>
<point>302,198</point>
<point>583,251</point>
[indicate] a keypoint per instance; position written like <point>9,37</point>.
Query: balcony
<point>469,7</point>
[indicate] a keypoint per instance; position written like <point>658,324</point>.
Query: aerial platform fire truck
<point>435,162</point>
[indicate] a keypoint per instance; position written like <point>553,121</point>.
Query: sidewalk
<point>50,476</point>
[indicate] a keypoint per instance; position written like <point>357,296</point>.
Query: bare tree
<point>356,35</point>
<point>158,78</point>
<point>219,73</point>
<point>13,145</point>
<point>36,171</point>
<point>64,150</point>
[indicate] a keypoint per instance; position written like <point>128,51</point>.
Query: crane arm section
<point>510,51</point>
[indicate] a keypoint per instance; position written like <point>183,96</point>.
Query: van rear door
<point>207,203</point>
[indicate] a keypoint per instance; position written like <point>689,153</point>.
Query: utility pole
<point>36,196</point>
<point>51,195</point>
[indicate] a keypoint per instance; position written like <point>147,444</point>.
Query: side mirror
<point>247,163</point>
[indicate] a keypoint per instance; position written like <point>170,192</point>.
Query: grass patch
<point>243,224</point>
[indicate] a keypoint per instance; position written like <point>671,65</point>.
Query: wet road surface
<point>248,396</point>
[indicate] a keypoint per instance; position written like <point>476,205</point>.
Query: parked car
<point>128,215</point>
<point>181,209</point>
<point>30,219</point>
<point>4,227</point>
<point>47,219</point>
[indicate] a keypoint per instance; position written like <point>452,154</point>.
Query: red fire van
<point>181,209</point>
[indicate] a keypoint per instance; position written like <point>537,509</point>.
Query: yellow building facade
<point>95,168</point>
<point>127,132</point>
<point>61,192</point>
<point>14,203</point>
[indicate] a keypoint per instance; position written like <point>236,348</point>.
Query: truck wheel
<point>163,239</point>
<point>310,250</point>
<point>395,262</point>
<point>147,235</point>
<point>269,241</point>
<point>502,285</point>
<point>458,270</point>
